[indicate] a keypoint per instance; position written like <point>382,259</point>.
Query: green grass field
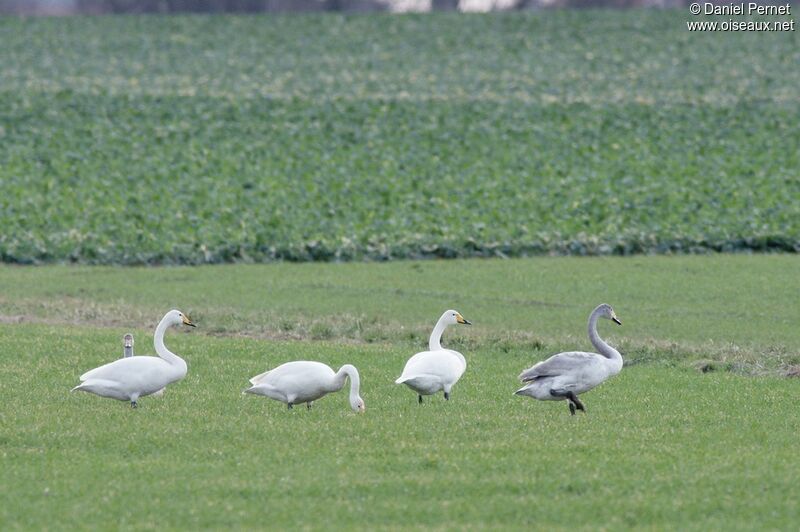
<point>216,139</point>
<point>194,140</point>
<point>662,445</point>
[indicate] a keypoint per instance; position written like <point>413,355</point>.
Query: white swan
<point>436,369</point>
<point>127,352</point>
<point>304,381</point>
<point>566,375</point>
<point>127,379</point>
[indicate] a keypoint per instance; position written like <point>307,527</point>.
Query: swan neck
<point>435,341</point>
<point>602,347</point>
<point>355,381</point>
<point>161,349</point>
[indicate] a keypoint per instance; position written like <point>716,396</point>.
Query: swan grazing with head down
<point>436,369</point>
<point>305,382</point>
<point>566,375</point>
<point>127,379</point>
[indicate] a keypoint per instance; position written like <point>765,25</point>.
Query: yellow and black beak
<point>460,319</point>
<point>187,321</point>
<point>615,319</point>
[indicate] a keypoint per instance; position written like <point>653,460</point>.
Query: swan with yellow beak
<point>437,369</point>
<point>128,379</point>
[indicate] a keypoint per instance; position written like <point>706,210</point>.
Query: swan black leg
<point>290,405</point>
<point>420,399</point>
<point>446,396</point>
<point>134,404</point>
<point>574,399</point>
<point>308,405</point>
<point>574,402</point>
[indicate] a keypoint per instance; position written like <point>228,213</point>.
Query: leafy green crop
<point>135,140</point>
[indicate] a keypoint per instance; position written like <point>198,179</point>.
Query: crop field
<point>663,445</point>
<point>140,156</point>
<point>187,140</point>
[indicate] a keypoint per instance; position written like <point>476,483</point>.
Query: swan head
<point>357,404</point>
<point>176,317</point>
<point>608,313</point>
<point>452,317</point>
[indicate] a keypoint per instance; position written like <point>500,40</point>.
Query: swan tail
<point>95,386</point>
<point>88,375</point>
<point>525,390</point>
<point>258,378</point>
<point>83,386</point>
<point>530,375</point>
<point>96,373</point>
<point>257,389</point>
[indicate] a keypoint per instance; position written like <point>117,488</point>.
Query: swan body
<point>437,369</point>
<point>566,375</point>
<point>306,381</point>
<point>127,379</point>
<point>127,352</point>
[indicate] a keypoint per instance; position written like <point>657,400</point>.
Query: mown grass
<point>729,308</point>
<point>217,139</point>
<point>662,446</point>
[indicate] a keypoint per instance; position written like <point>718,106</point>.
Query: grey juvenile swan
<point>566,375</point>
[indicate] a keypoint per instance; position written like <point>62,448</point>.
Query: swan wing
<point>123,367</point>
<point>96,372</point>
<point>443,364</point>
<point>138,372</point>
<point>562,364</point>
<point>106,388</point>
<point>424,384</point>
<point>260,377</point>
<point>91,383</point>
<point>268,391</point>
<point>297,380</point>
